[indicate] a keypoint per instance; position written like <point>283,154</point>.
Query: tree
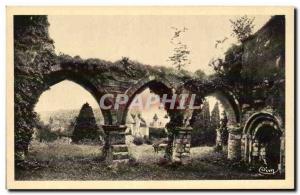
<point>223,128</point>
<point>230,69</point>
<point>44,133</point>
<point>242,27</point>
<point>180,56</point>
<point>200,74</point>
<point>202,133</point>
<point>155,117</point>
<point>205,115</point>
<point>85,125</point>
<point>70,128</point>
<point>215,117</point>
<point>51,121</point>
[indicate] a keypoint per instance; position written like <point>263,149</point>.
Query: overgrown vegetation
<point>44,133</point>
<point>138,141</point>
<point>205,125</point>
<point>85,128</point>
<point>33,56</point>
<point>254,68</point>
<point>242,27</point>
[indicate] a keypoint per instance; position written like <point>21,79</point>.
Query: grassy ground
<point>61,161</point>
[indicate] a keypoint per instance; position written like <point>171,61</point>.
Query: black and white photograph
<point>152,96</point>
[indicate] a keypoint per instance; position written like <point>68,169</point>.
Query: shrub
<point>147,141</point>
<point>157,132</point>
<point>44,133</point>
<point>85,125</point>
<point>138,141</point>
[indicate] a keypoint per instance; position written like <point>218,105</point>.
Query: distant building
<point>157,122</point>
<point>137,125</point>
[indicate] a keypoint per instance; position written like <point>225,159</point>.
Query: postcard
<point>150,98</point>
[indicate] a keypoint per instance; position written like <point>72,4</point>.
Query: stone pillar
<point>219,139</point>
<point>255,150</point>
<point>182,145</point>
<point>234,143</point>
<point>115,148</point>
<point>243,147</point>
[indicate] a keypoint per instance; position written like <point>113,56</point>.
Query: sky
<point>142,38</point>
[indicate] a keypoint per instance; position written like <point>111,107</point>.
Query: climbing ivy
<point>33,56</point>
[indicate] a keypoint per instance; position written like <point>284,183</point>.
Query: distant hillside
<point>63,118</point>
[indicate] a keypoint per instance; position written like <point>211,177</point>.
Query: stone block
<point>120,155</point>
<point>234,149</point>
<point>120,148</point>
<point>117,139</point>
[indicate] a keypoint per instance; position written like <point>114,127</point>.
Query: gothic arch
<point>230,103</point>
<point>93,88</point>
<point>259,117</point>
<point>258,125</point>
<point>216,88</point>
<point>157,85</point>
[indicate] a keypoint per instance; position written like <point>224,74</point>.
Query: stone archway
<point>221,91</point>
<point>58,75</point>
<point>116,149</point>
<point>232,107</point>
<point>262,140</point>
<point>157,85</point>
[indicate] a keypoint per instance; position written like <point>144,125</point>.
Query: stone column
<point>182,145</point>
<point>219,139</point>
<point>243,147</point>
<point>255,150</point>
<point>234,143</point>
<point>115,148</point>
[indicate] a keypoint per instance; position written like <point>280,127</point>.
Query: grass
<point>61,161</point>
<point>59,151</point>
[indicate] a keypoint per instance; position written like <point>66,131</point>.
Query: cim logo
<point>267,171</point>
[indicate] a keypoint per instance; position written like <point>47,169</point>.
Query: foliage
<point>230,68</point>
<point>215,117</point>
<point>157,133</point>
<point>205,125</point>
<point>85,125</point>
<point>33,56</point>
<point>223,128</point>
<point>147,140</point>
<point>176,121</point>
<point>180,56</point>
<point>44,133</point>
<point>242,27</point>
<point>200,74</point>
<point>254,69</point>
<point>138,141</point>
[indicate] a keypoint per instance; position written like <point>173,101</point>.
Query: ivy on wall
<point>33,56</point>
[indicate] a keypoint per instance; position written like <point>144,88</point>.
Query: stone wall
<point>234,142</point>
<point>115,149</point>
<point>182,145</point>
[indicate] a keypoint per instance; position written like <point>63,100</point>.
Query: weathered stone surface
<point>120,148</point>
<point>115,148</point>
<point>234,143</point>
<point>182,145</point>
<point>120,155</point>
<point>117,139</point>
